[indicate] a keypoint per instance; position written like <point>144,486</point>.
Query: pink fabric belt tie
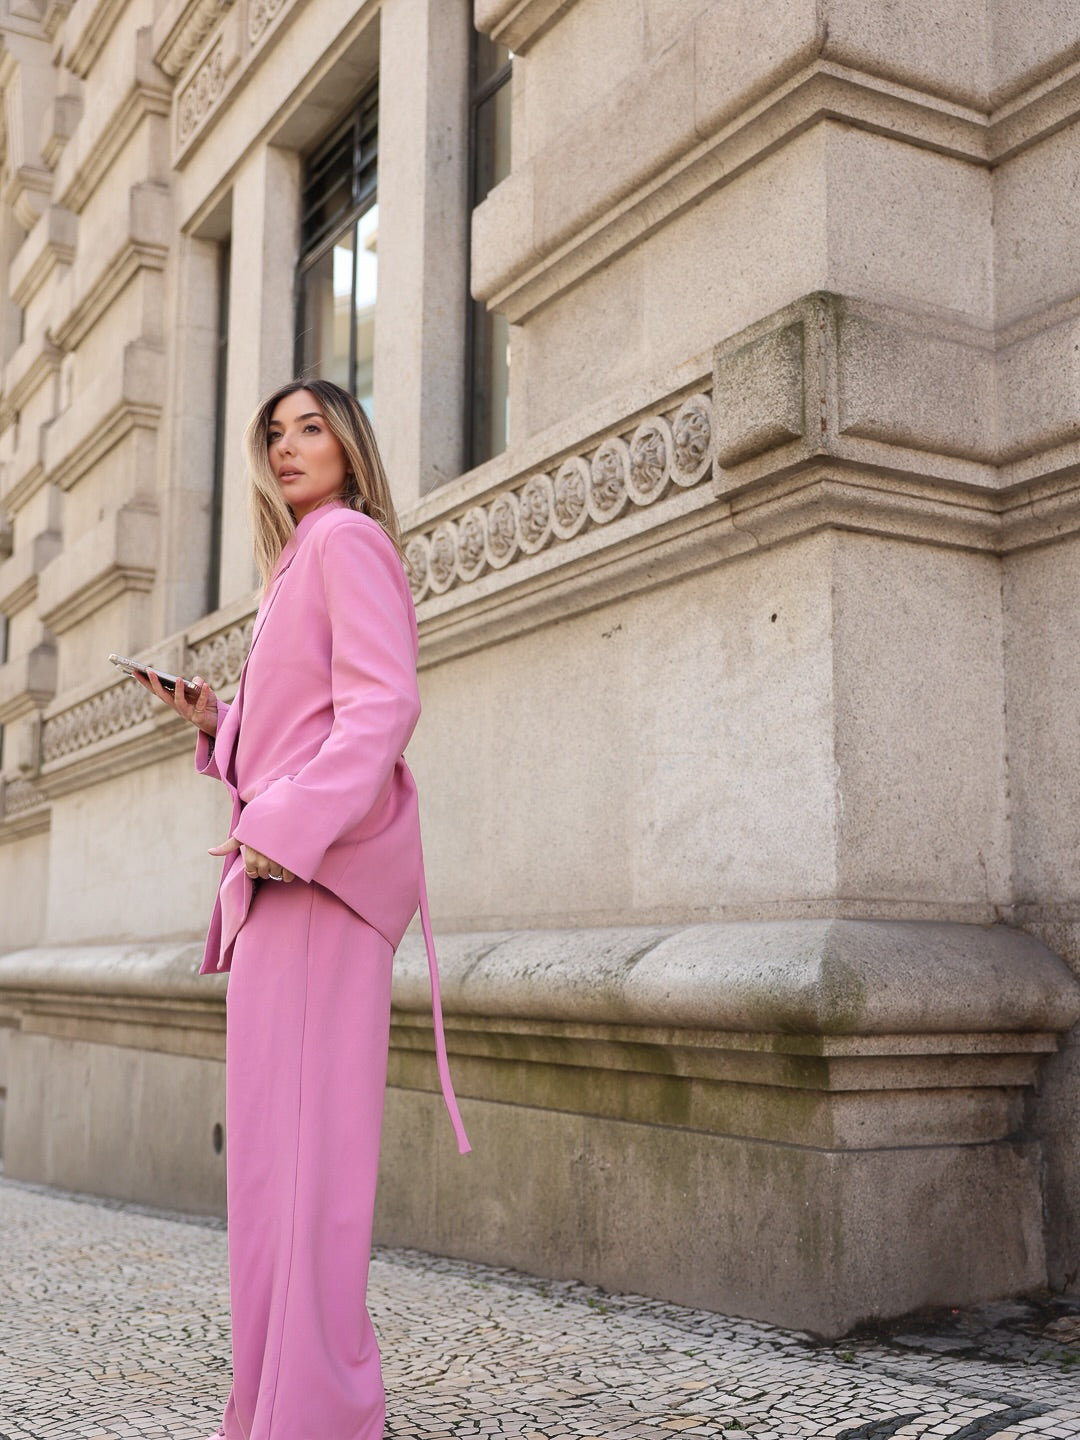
<point>236,893</point>
<point>441,1060</point>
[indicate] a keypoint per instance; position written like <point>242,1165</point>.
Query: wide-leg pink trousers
<point>307,1037</point>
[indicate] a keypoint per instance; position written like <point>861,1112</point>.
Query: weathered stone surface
<point>748,669</point>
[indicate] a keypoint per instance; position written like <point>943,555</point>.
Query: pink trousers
<point>307,1037</point>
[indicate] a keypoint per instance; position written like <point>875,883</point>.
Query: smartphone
<point>168,682</point>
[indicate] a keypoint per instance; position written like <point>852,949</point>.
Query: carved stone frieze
<point>502,543</point>
<point>441,566</point>
<point>650,461</point>
<point>183,40</point>
<point>608,479</point>
<point>691,441</point>
<point>536,508</point>
<point>472,543</point>
<point>594,488</point>
<point>198,98</point>
<point>19,796</point>
<point>571,487</point>
<point>260,15</point>
<point>118,708</point>
<point>220,658</point>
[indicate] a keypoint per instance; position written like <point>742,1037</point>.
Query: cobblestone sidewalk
<point>114,1326</point>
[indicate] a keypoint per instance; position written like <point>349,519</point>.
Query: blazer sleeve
<point>376,705</point>
<point>205,761</point>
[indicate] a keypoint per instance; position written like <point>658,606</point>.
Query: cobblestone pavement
<point>114,1326</point>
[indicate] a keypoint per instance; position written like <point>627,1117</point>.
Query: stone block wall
<point>747,760</point>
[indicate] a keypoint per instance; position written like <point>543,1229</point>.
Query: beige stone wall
<point>747,669</point>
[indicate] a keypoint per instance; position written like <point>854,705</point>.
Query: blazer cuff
<point>205,763</point>
<point>271,827</point>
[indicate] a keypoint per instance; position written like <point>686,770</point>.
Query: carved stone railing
<point>626,469</point>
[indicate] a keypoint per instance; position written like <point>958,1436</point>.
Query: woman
<point>323,804</point>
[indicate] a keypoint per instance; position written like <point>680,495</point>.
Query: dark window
<point>338,273</point>
<point>487,417</point>
<point>221,375</point>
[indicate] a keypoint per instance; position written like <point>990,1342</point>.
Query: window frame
<point>364,195</point>
<point>476,338</point>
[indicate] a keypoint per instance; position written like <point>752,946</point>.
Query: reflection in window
<point>338,272</point>
<point>488,410</point>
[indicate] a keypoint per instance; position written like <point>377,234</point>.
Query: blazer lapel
<point>225,741</point>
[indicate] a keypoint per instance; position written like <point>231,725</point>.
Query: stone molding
<point>182,29</point>
<point>61,120</point>
<point>56,12</point>
<point>83,165</point>
<point>19,797</point>
<point>89,26</point>
<point>18,486</point>
<point>149,997</point>
<point>117,555</point>
<point>27,683</point>
<point>518,278</point>
<point>144,245</point>
<point>50,243</point>
<point>19,573</point>
<point>261,15</point>
<point>196,101</point>
<point>105,729</point>
<point>837,377</point>
<point>640,502</point>
<point>220,657</point>
<point>517,23</point>
<point>637,467</point>
<point>931,1033</point>
<point>103,412</point>
<point>121,707</point>
<point>36,359</point>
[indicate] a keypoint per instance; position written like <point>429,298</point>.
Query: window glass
<point>337,281</point>
<point>488,408</point>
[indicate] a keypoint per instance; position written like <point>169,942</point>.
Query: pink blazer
<point>311,749</point>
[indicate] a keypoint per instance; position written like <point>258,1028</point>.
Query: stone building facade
<point>750,756</point>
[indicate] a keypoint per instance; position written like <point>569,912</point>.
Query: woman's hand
<point>257,865</point>
<point>202,711</point>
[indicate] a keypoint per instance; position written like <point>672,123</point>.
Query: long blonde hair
<point>366,487</point>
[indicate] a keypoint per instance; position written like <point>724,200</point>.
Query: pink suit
<point>311,751</point>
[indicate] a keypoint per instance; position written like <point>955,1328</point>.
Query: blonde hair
<point>366,487</point>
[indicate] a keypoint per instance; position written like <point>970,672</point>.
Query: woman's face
<point>305,455</point>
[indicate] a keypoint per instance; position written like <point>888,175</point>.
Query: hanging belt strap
<point>436,1010</point>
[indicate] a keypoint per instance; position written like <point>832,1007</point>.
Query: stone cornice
<point>517,23</point>
<point>32,364</point>
<point>27,683</point>
<point>142,101</point>
<point>50,243</point>
<point>56,12</point>
<point>103,412</point>
<point>23,810</point>
<point>118,555</point>
<point>111,281</point>
<point>181,29</point>
<point>24,488</point>
<point>510,560</point>
<point>88,28</point>
<point>19,573</point>
<point>521,281</point>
